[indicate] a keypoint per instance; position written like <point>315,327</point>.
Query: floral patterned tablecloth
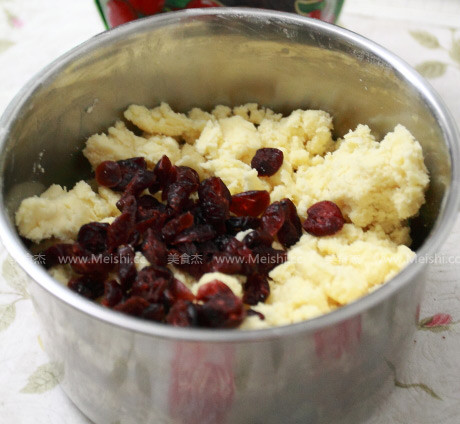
<point>427,386</point>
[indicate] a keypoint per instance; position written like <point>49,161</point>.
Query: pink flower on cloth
<point>438,321</point>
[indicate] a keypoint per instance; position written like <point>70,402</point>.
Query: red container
<point>117,12</point>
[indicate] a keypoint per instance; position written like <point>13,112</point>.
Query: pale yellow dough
<point>377,184</point>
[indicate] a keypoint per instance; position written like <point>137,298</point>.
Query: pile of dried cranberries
<point>194,233</point>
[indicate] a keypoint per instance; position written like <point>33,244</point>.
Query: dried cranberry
<point>141,180</point>
<point>258,237</point>
<point>85,262</point>
<point>182,314</point>
<point>291,231</point>
<point>93,237</point>
<point>154,249</point>
<point>241,254</point>
<point>176,226</point>
<point>281,219</point>
<point>324,219</point>
<point>214,202</point>
<point>113,294</point>
<point>149,285</point>
<point>165,173</point>
<point>126,268</point>
<point>135,306</point>
<point>188,177</point>
<point>108,174</point>
<point>251,203</point>
<point>196,233</point>
<point>122,229</point>
<point>273,218</point>
<point>268,258</point>
<point>252,312</point>
<point>256,289</point>
<point>177,196</point>
<point>223,310</point>
<point>267,161</point>
<point>178,291</point>
<point>222,241</point>
<point>59,254</point>
<point>155,222</point>
<point>154,312</point>
<point>211,289</point>
<point>241,223</point>
<point>87,286</point>
<point>128,169</point>
<point>226,263</point>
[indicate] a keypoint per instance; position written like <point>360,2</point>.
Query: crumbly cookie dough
<point>377,184</point>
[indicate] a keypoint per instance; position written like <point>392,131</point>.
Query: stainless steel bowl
<point>121,369</point>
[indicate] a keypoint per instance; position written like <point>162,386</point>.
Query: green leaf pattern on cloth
<point>425,39</point>
<point>7,315</point>
<point>16,279</point>
<point>454,51</point>
<point>45,378</point>
<point>436,68</point>
<point>421,386</point>
<point>431,69</point>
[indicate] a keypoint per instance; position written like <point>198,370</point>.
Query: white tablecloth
<point>427,386</point>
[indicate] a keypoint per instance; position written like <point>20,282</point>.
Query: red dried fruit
<point>258,237</point>
<point>135,306</point>
<point>126,268</point>
<point>121,230</point>
<point>87,286</point>
<point>93,237</point>
<point>211,289</point>
<point>59,254</point>
<point>281,219</point>
<point>273,218</point>
<point>128,169</point>
<point>113,294</point>
<point>256,289</point>
<point>268,258</point>
<point>148,287</point>
<point>177,290</point>
<point>182,314</point>
<point>214,202</point>
<point>154,312</point>
<point>267,161</point>
<point>154,249</point>
<point>223,310</point>
<point>177,196</point>
<point>165,173</point>
<point>324,219</point>
<point>155,222</point>
<point>236,224</point>
<point>108,174</point>
<point>141,180</point>
<point>251,203</point>
<point>176,226</point>
<point>252,312</point>
<point>148,7</point>
<point>85,262</point>
<point>196,233</point>
<point>188,177</point>
<point>291,231</point>
<point>226,263</point>
<point>118,12</point>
